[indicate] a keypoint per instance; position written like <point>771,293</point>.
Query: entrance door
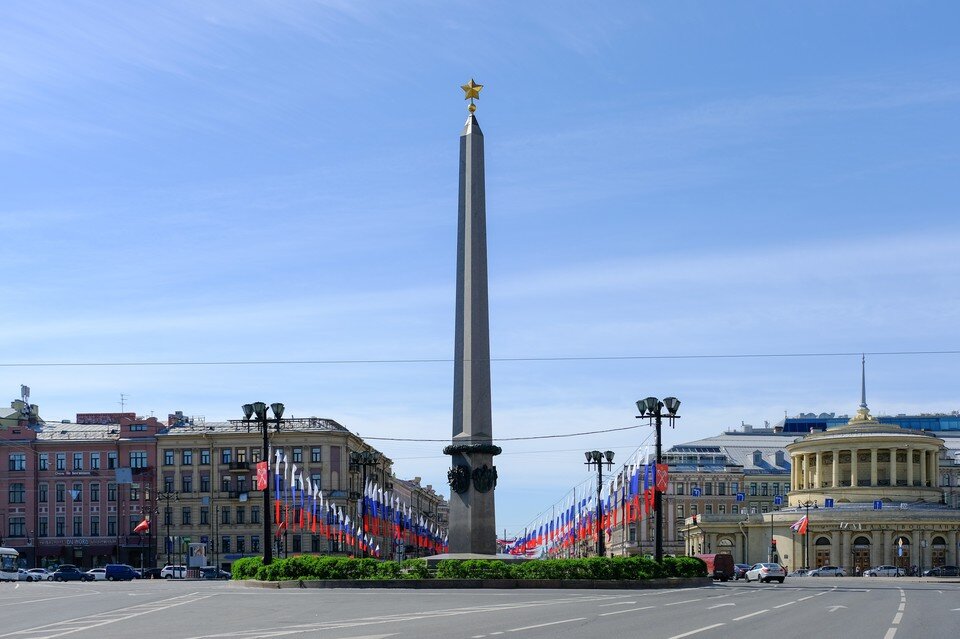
<point>861,560</point>
<point>823,557</point>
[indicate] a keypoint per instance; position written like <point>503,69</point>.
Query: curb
<point>479,584</point>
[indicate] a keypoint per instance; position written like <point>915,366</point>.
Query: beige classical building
<point>873,494</point>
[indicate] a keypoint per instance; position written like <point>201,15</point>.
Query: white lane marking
<point>897,618</point>
<point>693,632</point>
<point>890,633</point>
<point>620,612</point>
<point>677,603</point>
<point>834,608</point>
<point>752,614</point>
<point>619,603</point>
<point>784,605</point>
<point>723,605</point>
<point>550,623</point>
<point>805,598</point>
<point>903,605</point>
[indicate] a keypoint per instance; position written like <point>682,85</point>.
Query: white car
<point>827,571</point>
<point>23,575</point>
<point>766,573</point>
<point>99,574</point>
<point>884,571</point>
<point>40,574</point>
<point>173,572</point>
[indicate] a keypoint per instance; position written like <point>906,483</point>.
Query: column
<point>923,468</point>
<point>853,466</point>
<point>952,550</point>
<point>873,466</point>
<point>795,472</point>
<point>893,467</point>
<point>845,558</point>
<point>819,481</point>
<point>835,475</point>
<point>886,549</point>
<point>909,466</point>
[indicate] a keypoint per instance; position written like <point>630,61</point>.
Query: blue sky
<point>223,182</point>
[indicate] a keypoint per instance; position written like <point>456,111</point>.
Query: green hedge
<point>312,567</point>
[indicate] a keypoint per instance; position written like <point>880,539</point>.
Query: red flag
<point>143,526</point>
<point>662,473</point>
<point>262,475</point>
<point>280,528</point>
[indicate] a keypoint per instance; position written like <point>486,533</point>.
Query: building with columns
<point>873,493</point>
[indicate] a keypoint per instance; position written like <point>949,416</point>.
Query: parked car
<point>69,572</point>
<point>41,574</point>
<point>942,571</point>
<point>151,573</point>
<point>766,573</point>
<point>827,571</point>
<point>884,571</point>
<point>99,574</point>
<point>211,572</point>
<point>740,570</point>
<point>719,566</point>
<point>121,572</point>
<point>173,572</point>
<point>799,572</point>
<point>25,575</point>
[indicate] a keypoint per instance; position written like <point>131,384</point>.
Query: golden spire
<point>471,91</point>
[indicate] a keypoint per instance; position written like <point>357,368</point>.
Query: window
<point>734,487</point>
<point>242,484</point>
<point>241,455</point>
<point>241,516</point>
<point>776,488</point>
<point>186,457</point>
<point>225,515</point>
<point>316,480</point>
<point>94,492</point>
<point>708,488</point>
<point>61,526</point>
<point>111,492</point>
<point>168,458</point>
<point>680,511</point>
<point>255,543</point>
<point>679,487</point>
<point>225,544</point>
<point>18,461</point>
<point>255,515</point>
<point>315,455</point>
<point>297,455</point>
<point>42,490</point>
<point>61,493</point>
<point>753,489</point>
<point>138,427</point>
<point>296,544</point>
<point>168,484</point>
<point>709,509</point>
<point>722,488</point>
<point>95,526</point>
<point>722,509</point>
<point>185,516</point>
<point>44,461</point>
<point>204,515</point>
<point>167,516</point>
<point>225,485</point>
<point>44,528</point>
<point>94,461</point>
<point>764,489</point>
<point>226,455</point>
<point>241,544</point>
<point>205,457</point>
<point>111,526</point>
<point>78,525</point>
<point>78,461</point>
<point>186,482</point>
<point>204,483</point>
<point>61,461</point>
<point>17,493</point>
<point>111,462</point>
<point>77,492</point>
<point>17,527</point>
<point>255,455</point>
<point>633,534</point>
<point>135,493</point>
<point>138,459</point>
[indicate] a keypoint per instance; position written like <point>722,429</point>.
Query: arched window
<point>822,541</point>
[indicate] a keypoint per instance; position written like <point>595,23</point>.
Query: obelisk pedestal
<point>473,477</point>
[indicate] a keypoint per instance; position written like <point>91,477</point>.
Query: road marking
<point>619,603</point>
<point>902,606</point>
<point>784,605</point>
<point>890,633</point>
<point>620,612</point>
<point>677,603</point>
<point>752,614</point>
<point>834,608</point>
<point>543,625</point>
<point>721,605</point>
<point>805,598</point>
<point>693,632</point>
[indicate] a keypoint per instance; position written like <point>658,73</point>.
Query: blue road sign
<point>695,491</point>
<point>741,496</point>
<point>828,502</point>
<point>878,505</point>
<point>778,500</point>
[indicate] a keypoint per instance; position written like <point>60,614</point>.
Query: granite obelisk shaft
<point>472,527</point>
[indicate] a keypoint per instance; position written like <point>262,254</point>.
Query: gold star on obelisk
<point>471,91</point>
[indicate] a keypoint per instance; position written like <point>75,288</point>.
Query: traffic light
<point>694,520</point>
<point>773,543</point>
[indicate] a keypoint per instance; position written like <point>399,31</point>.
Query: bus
<point>9,564</point>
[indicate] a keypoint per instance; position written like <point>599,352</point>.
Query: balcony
<point>239,466</point>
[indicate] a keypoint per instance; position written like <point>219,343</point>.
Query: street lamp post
<point>652,409</point>
<point>596,457</point>
<point>259,410</point>
<point>773,541</point>
<point>167,496</point>
<point>806,533</point>
<point>363,460</point>
<point>923,548</point>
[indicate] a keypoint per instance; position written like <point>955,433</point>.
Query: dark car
<point>121,572</point>
<point>151,573</point>
<point>213,573</point>
<point>69,572</point>
<point>942,571</point>
<point>740,571</point>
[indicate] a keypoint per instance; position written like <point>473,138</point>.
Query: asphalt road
<point>851,608</point>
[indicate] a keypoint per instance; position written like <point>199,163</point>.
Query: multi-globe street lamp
<point>652,409</point>
<point>596,457</point>
<point>363,460</point>
<point>259,411</point>
<point>167,496</point>
<point>806,533</point>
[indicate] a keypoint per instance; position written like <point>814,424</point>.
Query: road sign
<point>878,505</point>
<point>741,496</point>
<point>778,500</point>
<point>695,491</point>
<point>828,502</point>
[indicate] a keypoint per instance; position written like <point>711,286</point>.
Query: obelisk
<point>473,477</point>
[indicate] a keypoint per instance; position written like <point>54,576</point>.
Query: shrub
<point>246,568</point>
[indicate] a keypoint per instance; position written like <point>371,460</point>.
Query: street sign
<point>695,491</point>
<point>828,502</point>
<point>741,496</point>
<point>778,500</point>
<point>878,505</point>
